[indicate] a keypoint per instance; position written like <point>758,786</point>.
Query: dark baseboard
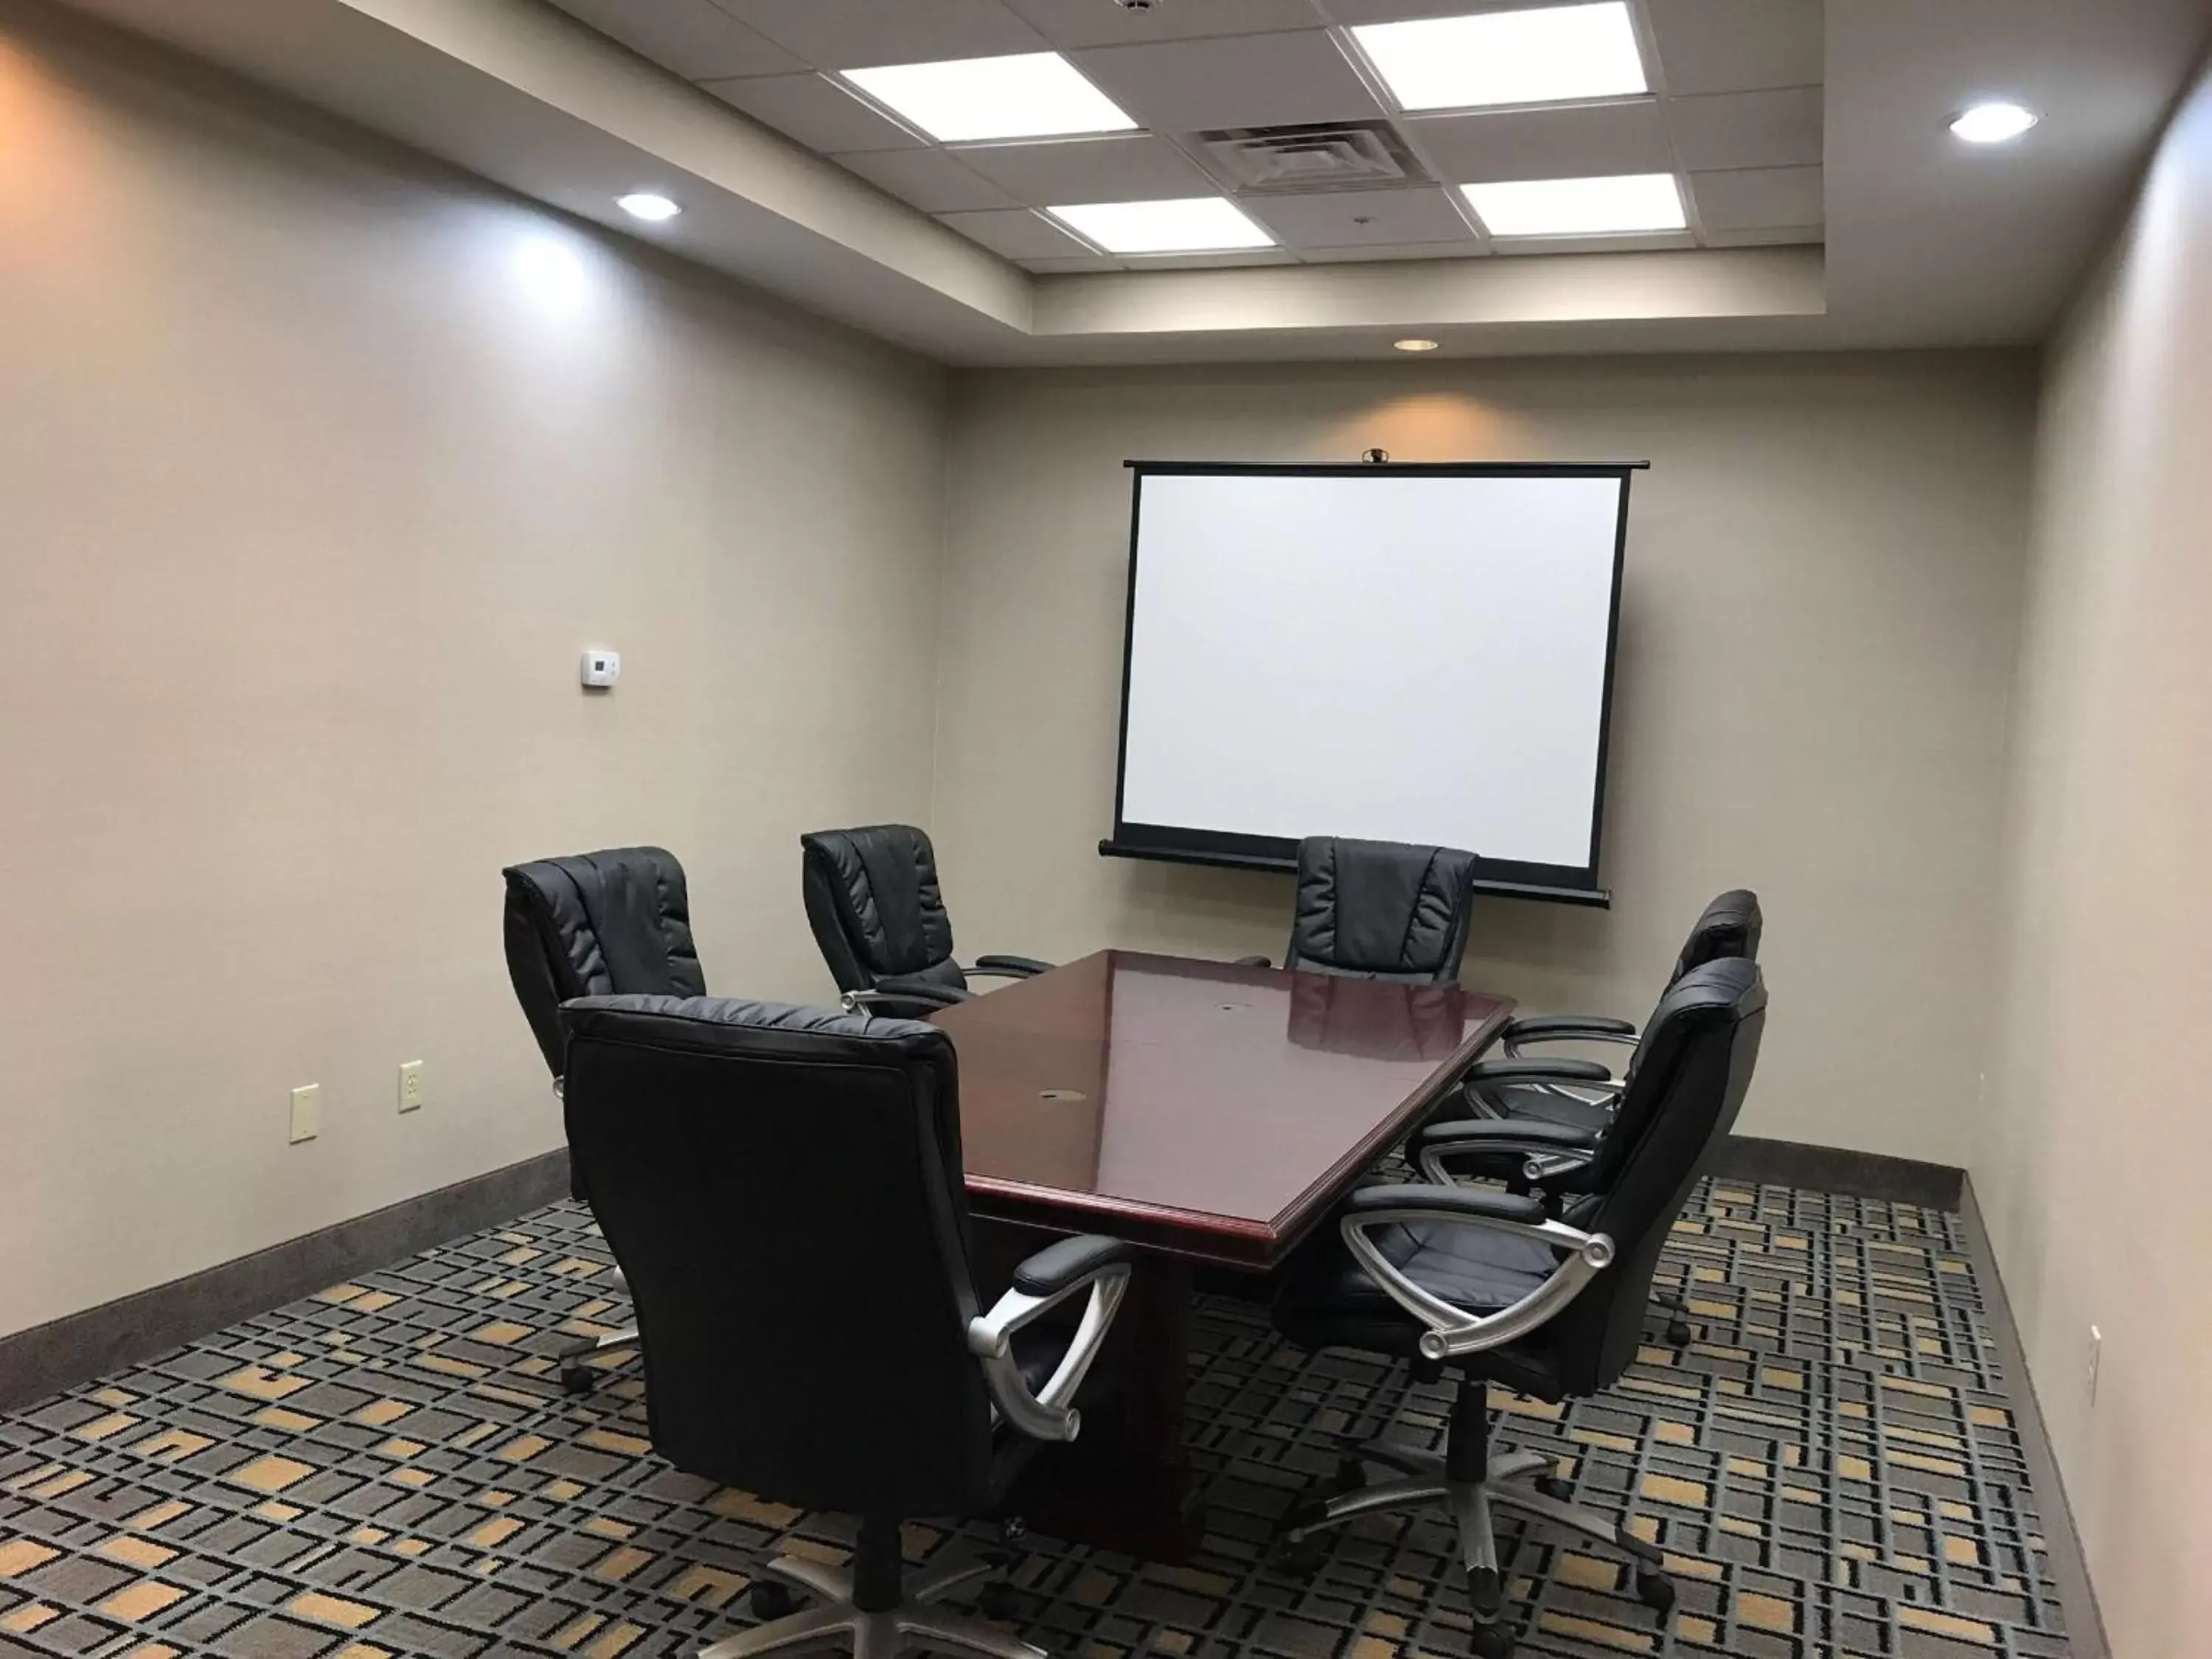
<point>2068,1563</point>
<point>78,1347</point>
<point>1832,1169</point>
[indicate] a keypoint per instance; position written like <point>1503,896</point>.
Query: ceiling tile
<point>1737,46</point>
<point>1747,129</point>
<point>1260,256</point>
<point>1332,256</point>
<point>814,110</point>
<point>693,37</point>
<point>1069,267</point>
<point>1587,141</point>
<point>1334,218</point>
<point>929,178</point>
<point>839,34</point>
<point>1349,12</point>
<point>1660,242</point>
<point>1239,81</point>
<point>1136,168</point>
<point>1017,233</point>
<point>1765,236</point>
<point>1755,198</point>
<point>1071,23</point>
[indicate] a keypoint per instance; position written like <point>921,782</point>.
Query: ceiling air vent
<point>1318,156</point>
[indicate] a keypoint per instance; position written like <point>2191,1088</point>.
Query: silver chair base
<point>913,1624</point>
<point>1510,1484</point>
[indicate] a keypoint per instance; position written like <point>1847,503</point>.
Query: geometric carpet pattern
<point>390,1467</point>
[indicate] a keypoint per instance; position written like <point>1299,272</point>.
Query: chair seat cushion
<point>1329,1301</point>
<point>1513,1100</point>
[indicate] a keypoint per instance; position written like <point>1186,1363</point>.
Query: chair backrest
<point>1729,927</point>
<point>872,900</point>
<point>783,1189</point>
<point>597,924</point>
<point>1684,1089</point>
<point>1380,910</point>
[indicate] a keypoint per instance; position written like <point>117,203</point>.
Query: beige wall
<point>1817,655</point>
<point>2092,1165</point>
<point>320,466</point>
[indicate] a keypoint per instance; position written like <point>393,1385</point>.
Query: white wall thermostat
<point>602,669</point>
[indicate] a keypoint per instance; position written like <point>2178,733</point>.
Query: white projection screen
<point>1404,652</point>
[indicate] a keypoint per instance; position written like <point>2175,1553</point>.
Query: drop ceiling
<point>1828,206</point>
<point>1249,98</point>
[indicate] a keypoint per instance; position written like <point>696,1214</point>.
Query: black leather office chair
<point>782,1188</point>
<point>1379,909</point>
<point>1494,1287</point>
<point>877,913</point>
<point>1576,1094</point>
<point>615,921</point>
<point>1729,926</point>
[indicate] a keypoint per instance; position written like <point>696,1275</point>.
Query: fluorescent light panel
<point>1190,224</point>
<point>1552,55</point>
<point>1036,94</point>
<point>1631,204</point>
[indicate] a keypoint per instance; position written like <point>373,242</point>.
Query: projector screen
<point>1402,653</point>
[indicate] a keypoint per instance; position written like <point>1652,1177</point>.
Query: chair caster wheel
<point>1486,1592</point>
<point>996,1601</point>
<point>769,1600</point>
<point>1491,1641</point>
<point>1656,1591</point>
<point>577,1379</point>
<point>1678,1334</point>
<point>1351,1474</point>
<point>1013,1530</point>
<point>1554,1487</point>
<point>1301,1558</point>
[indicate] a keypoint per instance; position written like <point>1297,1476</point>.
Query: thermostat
<point>602,669</point>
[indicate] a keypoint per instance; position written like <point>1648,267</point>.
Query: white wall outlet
<point>2096,1357</point>
<point>306,1112</point>
<point>411,1085</point>
<point>601,669</point>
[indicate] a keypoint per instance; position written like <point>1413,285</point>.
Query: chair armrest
<point>1098,1265</point>
<point>904,998</point>
<point>1565,1027</point>
<point>1526,1139</point>
<point>1450,1331</point>
<point>1252,962</point>
<point>1011,967</point>
<point>1061,1264</point>
<point>1475,1204</point>
<point>1559,1027</point>
<point>1586,1071</point>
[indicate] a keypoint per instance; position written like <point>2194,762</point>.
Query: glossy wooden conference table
<point>1206,1112</point>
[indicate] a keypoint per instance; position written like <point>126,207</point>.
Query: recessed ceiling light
<point>1540,57</point>
<point>647,204</point>
<point>1035,94</point>
<point>1189,224</point>
<point>1413,345</point>
<point>1994,123</point>
<point>1631,204</point>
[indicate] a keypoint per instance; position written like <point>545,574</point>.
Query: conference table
<point>1209,1113</point>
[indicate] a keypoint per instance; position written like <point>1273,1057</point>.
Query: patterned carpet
<point>390,1467</point>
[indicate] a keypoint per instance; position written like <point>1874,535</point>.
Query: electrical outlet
<point>306,1112</point>
<point>411,1085</point>
<point>2096,1355</point>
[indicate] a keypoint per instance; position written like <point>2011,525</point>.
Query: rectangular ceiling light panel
<point>1626,206</point>
<point>1554,54</point>
<point>1036,94</point>
<point>1191,224</point>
